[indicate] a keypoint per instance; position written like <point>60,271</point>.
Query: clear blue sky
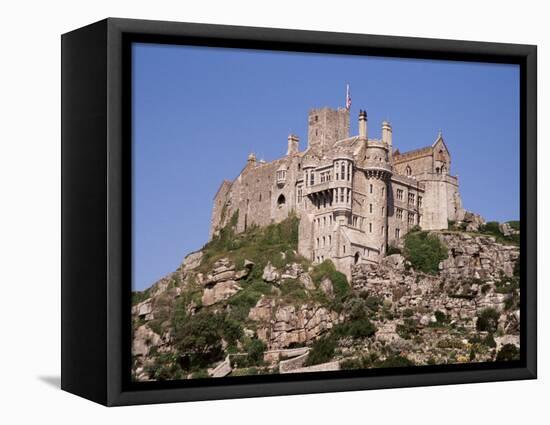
<point>198,112</point>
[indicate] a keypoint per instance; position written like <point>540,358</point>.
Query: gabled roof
<point>440,138</point>
<point>355,237</point>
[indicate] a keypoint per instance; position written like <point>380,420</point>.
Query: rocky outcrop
<point>270,273</point>
<point>219,292</point>
<point>221,283</point>
<point>192,261</point>
<point>430,319</point>
<point>476,257</point>
<point>473,222</point>
<point>507,230</point>
<point>283,325</point>
<point>477,275</point>
<point>143,340</point>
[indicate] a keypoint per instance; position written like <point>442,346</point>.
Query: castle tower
<point>363,124</point>
<point>378,173</point>
<point>293,144</point>
<point>326,126</point>
<point>387,137</point>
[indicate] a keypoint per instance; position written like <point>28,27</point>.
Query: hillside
<point>248,304</point>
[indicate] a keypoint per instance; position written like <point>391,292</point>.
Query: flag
<point>348,97</point>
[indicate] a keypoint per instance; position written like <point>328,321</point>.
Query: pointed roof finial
<point>440,134</point>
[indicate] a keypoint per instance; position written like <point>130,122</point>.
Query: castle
<point>354,196</point>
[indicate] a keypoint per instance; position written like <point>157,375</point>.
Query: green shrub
<point>164,367</point>
<point>507,353</point>
<point>406,330</point>
<point>440,317</point>
<point>374,303</point>
<point>408,312</point>
<point>320,271</point>
<point>491,227</point>
<point>424,251</point>
<point>293,291</point>
<point>255,349</point>
<point>392,249</point>
<point>489,341</point>
<point>322,350</point>
<point>514,224</point>
<point>395,361</point>
<point>487,320</point>
<point>360,328</point>
<point>340,285</point>
<point>199,336</point>
<point>139,296</point>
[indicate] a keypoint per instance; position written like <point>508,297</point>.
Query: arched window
<point>408,171</point>
<point>356,258</point>
<point>443,169</point>
<point>281,200</point>
<point>437,170</point>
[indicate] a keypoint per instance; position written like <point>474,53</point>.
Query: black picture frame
<point>96,210</point>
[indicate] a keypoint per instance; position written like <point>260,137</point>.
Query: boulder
<point>326,287</point>
<point>305,279</point>
<point>192,261</point>
<point>261,312</point>
<point>270,273</point>
<point>219,292</point>
<point>143,340</point>
<point>507,230</point>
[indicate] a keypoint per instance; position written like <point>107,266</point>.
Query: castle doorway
<point>356,258</point>
<point>281,200</point>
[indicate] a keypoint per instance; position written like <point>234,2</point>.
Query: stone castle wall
<point>349,218</point>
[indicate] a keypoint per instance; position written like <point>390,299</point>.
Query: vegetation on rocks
<point>248,304</point>
<point>424,251</point>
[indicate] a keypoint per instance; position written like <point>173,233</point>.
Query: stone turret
<point>293,144</point>
<point>363,124</point>
<point>387,136</point>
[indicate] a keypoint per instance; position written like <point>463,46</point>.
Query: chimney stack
<point>293,143</point>
<point>386,133</point>
<point>363,124</point>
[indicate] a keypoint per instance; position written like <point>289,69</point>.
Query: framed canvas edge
<point>524,55</point>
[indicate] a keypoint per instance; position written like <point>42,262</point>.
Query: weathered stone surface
<point>143,310</point>
<point>287,366</point>
<point>507,230</point>
<point>281,326</point>
<point>473,221</point>
<point>395,261</point>
<point>323,367</point>
<point>261,312</point>
<point>192,261</point>
<point>326,287</point>
<point>223,369</point>
<point>143,339</point>
<point>220,291</point>
<point>507,339</point>
<point>305,279</point>
<point>270,273</point>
